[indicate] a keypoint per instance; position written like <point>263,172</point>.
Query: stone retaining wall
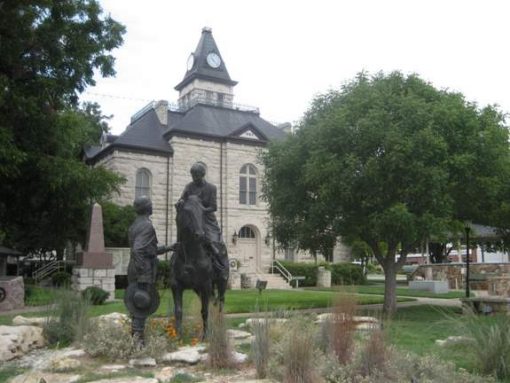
<point>455,273</point>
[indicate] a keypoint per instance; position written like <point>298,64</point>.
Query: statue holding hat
<point>141,298</point>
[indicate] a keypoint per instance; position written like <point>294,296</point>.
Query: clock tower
<point>206,80</point>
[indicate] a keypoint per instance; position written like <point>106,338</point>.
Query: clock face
<point>213,60</point>
<point>191,61</point>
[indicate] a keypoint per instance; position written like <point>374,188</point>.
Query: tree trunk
<point>390,287</point>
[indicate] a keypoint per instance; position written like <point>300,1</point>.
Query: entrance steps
<point>274,281</point>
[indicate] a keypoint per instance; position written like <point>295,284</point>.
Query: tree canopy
<point>391,161</point>
<point>50,52</point>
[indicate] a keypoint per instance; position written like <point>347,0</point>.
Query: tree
<point>50,50</point>
<point>390,161</point>
<point>116,222</point>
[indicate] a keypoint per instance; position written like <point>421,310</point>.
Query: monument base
<point>12,293</point>
<point>84,277</point>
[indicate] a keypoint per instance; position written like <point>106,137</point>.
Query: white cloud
<point>284,52</point>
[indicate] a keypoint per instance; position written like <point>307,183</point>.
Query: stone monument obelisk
<point>94,266</point>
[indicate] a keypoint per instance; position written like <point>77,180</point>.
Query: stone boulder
<point>185,355</point>
<point>117,319</point>
<point>362,323</point>
<point>16,341</point>
<point>278,321</point>
<point>20,320</point>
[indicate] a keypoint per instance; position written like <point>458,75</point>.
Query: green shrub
<point>346,274</point>
<point>69,320</point>
<point>61,279</point>
<point>95,295</point>
<point>307,270</point>
<point>113,341</point>
<point>491,343</point>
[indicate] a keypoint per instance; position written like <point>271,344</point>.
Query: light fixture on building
<point>267,240</point>
<point>234,237</point>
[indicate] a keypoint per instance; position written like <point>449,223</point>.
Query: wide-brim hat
<point>141,302</point>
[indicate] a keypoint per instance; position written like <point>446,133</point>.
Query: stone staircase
<point>274,281</point>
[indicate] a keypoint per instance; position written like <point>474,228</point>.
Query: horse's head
<point>190,217</point>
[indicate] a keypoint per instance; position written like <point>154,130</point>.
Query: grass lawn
<point>237,301</point>
<point>417,328</point>
<point>378,289</point>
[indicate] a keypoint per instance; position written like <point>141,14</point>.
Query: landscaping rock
<point>16,341</point>
<point>238,334</point>
<point>118,319</point>
<point>40,376</point>
<point>63,364</point>
<point>20,320</point>
<point>55,360</point>
<point>113,367</point>
<point>362,323</point>
<point>165,375</point>
<point>452,340</point>
<point>251,321</point>
<point>142,362</point>
<point>188,355</point>
<point>239,357</point>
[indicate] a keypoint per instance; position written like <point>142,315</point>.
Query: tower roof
<point>199,66</point>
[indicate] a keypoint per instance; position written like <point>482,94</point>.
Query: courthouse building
<point>156,151</point>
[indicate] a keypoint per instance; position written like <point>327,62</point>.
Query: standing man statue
<point>141,296</point>
<point>206,192</point>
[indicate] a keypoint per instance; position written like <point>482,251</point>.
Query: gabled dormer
<point>206,79</point>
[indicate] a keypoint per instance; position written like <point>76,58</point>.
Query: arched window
<point>248,185</point>
<point>143,183</point>
<point>246,232</point>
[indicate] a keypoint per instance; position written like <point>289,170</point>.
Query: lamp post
<point>467,229</point>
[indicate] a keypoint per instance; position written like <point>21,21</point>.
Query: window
<point>246,232</point>
<point>143,183</point>
<point>248,185</point>
<point>220,99</point>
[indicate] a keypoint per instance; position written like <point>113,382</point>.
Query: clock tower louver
<point>206,80</point>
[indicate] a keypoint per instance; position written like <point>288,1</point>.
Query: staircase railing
<point>47,270</point>
<point>281,269</point>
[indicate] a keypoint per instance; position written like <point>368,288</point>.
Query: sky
<point>284,53</point>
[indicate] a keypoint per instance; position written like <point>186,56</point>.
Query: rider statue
<point>206,192</point>
<point>141,296</point>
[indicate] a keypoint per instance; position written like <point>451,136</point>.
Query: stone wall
<point>499,286</point>
<point>455,273</point>
<point>127,164</point>
<point>12,293</point>
<point>102,278</point>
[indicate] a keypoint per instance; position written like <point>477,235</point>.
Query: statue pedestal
<point>84,277</point>
<point>94,266</point>
<point>12,295</point>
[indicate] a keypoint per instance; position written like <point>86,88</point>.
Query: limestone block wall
<point>224,161</point>
<point>127,164</point>
<point>102,278</point>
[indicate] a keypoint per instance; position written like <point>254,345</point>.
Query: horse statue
<point>193,266</point>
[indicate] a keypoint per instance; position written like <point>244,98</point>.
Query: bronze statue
<point>141,296</point>
<point>201,260</point>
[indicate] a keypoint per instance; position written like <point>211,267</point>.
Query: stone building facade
<point>156,151</point>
